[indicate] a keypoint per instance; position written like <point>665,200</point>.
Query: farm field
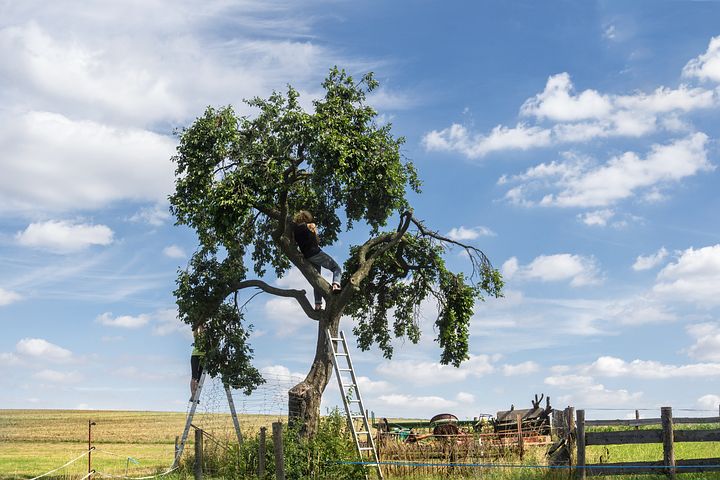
<point>33,442</point>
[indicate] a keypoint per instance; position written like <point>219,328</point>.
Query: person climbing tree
<point>306,237</point>
<point>196,361</point>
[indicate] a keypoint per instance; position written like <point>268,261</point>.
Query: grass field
<point>33,442</point>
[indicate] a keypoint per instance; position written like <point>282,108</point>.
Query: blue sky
<point>574,142</point>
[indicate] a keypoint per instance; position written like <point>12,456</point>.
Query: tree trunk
<point>304,398</point>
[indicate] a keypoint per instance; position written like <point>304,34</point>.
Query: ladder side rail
<point>357,392</point>
<point>188,422</point>
<point>346,403</point>
<point>366,426</point>
<point>233,413</point>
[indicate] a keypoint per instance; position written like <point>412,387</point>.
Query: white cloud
<point>464,397</point>
<point>281,373</point>
<point>123,321</point>
<point>287,315</point>
<point>578,269</point>
<point>462,233</point>
<point>372,387</point>
<point>707,341</point>
<point>524,368</point>
<point>568,381</point>
<point>57,377</point>
<point>577,182</point>
<point>557,102</point>
<point>597,217</point>
<point>597,395</point>
<point>607,366</point>
<point>709,402</point>
<point>9,359</point>
<point>61,236</point>
<point>7,297</point>
<point>650,261</point>
<point>510,267</point>
<point>416,402</point>
<point>694,277</point>
<point>456,138</point>
<point>155,215</point>
<point>166,322</point>
<point>55,163</point>
<point>428,373</point>
<point>173,251</point>
<point>42,349</point>
<point>707,65</point>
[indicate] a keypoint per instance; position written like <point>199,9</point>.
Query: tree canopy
<point>239,180</point>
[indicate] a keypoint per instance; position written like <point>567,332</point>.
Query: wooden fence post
<point>198,469</point>
<point>637,417</point>
<point>580,472</point>
<point>668,441</point>
<point>278,446</point>
<point>261,453</point>
<point>571,434</point>
<point>518,417</point>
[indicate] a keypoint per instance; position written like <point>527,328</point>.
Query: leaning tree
<point>239,179</point>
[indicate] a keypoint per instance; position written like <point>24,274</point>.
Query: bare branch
<point>298,295</point>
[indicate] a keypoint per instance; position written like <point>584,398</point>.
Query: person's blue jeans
<point>322,259</point>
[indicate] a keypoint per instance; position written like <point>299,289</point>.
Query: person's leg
<point>195,369</point>
<point>316,292</point>
<point>325,260</point>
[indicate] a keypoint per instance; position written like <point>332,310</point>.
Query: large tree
<point>239,179</point>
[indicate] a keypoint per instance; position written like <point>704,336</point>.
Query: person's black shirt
<point>306,240</point>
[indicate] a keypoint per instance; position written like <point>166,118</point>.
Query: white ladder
<point>350,394</point>
<point>188,423</point>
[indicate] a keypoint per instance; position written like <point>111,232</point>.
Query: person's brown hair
<point>303,216</point>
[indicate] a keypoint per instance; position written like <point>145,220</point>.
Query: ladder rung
<point>362,433</point>
<point>353,400</point>
<point>366,449</point>
<point>336,339</point>
<point>357,416</point>
<point>341,354</point>
<point>348,385</point>
<point>345,369</point>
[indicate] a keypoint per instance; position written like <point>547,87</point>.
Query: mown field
<point>33,442</point>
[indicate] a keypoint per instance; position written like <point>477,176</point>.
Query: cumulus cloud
<point>709,402</point>
<point>523,368</point>
<point>597,218</point>
<point>457,138</point>
<point>578,182</point>
<point>42,349</point>
<point>55,376</point>
<point>707,65</point>
<point>589,114</point>
<point>608,366</point>
<point>416,402</point>
<point>7,297</point>
<point>694,277</point>
<point>281,373</point>
<point>166,322</point>
<point>63,236</point>
<point>707,341</point>
<point>155,215</point>
<point>462,233</point>
<point>286,314</point>
<point>578,269</point>
<point>122,321</point>
<point>173,251</point>
<point>428,373</point>
<point>646,262</point>
<point>464,397</point>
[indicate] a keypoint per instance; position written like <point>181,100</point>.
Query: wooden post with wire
<point>198,468</point>
<point>261,453</point>
<point>90,449</point>
<point>580,426</point>
<point>278,446</point>
<point>668,441</point>
<point>520,435</point>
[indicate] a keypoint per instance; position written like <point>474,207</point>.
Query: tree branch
<point>298,295</point>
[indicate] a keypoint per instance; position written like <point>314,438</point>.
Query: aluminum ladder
<point>188,423</point>
<point>350,394</point>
